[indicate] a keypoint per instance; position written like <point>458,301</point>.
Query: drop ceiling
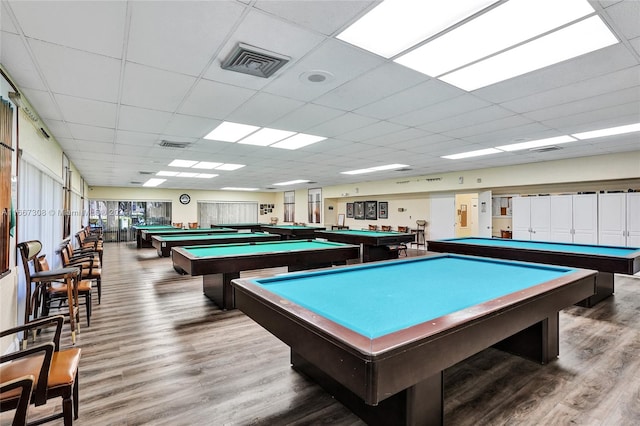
<point>110,81</point>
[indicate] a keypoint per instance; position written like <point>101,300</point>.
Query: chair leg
<point>87,306</point>
<point>76,402</point>
<point>99,284</point>
<point>67,408</point>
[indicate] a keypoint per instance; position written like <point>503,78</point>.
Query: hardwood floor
<point>160,353</point>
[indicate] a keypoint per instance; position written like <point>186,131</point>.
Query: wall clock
<point>185,199</point>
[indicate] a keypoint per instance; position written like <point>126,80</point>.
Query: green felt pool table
<point>253,227</point>
<point>378,336</point>
<point>293,232</point>
<point>164,243</point>
<point>607,260</point>
<point>147,234</point>
<point>219,264</point>
<point>376,245</point>
<point>139,228</point>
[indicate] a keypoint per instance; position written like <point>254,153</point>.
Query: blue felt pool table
<point>607,260</point>
<point>378,336</point>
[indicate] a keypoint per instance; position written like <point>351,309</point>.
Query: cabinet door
<point>540,218</point>
<point>561,219</point>
<point>612,219</point>
<point>585,219</point>
<point>633,219</point>
<point>521,218</point>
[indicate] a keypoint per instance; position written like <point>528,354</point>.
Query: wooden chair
<point>55,371</point>
<point>273,221</point>
<point>21,387</point>
<point>177,225</point>
<point>403,229</point>
<point>34,281</point>
<point>402,248</point>
<point>57,291</point>
<point>193,225</point>
<point>373,227</point>
<point>91,267</point>
<point>420,232</point>
<point>386,228</point>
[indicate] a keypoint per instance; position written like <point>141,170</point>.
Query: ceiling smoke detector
<point>254,61</point>
<point>316,77</point>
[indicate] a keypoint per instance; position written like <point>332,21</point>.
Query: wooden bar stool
<point>37,282</point>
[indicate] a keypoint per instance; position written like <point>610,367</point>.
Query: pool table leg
<point>604,289</point>
<point>218,288</point>
<point>539,342</point>
<point>421,404</point>
<point>375,253</point>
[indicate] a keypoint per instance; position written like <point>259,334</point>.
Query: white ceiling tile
<point>214,100</point>
<point>380,128</point>
<point>397,137</point>
<point>168,35</point>
<point>136,138</point>
<point>153,88</point>
<point>263,109</point>
<point>626,18</point>
<point>6,20</point>
<point>305,117</point>
<point>340,125</point>
<point>488,126</point>
<point>91,133</point>
<point>597,119</point>
<point>470,118</point>
<point>142,120</point>
<point>326,16</point>
<point>372,86</point>
<point>342,61</point>
<point>18,63</point>
<point>87,111</point>
<point>635,43</point>
<point>58,128</point>
<point>188,125</point>
<point>419,96</point>
<point>101,24</point>
<point>41,101</point>
<point>508,135</point>
<point>448,108</point>
<point>76,73</point>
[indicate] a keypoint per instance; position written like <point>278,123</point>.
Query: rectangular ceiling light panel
<point>298,141</point>
<point>231,132</point>
<point>502,27</point>
<point>470,154</point>
<point>583,37</point>
<point>266,137</point>
<point>396,25</point>
<point>536,143</point>
<point>611,131</point>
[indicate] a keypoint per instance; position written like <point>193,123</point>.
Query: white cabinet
<point>619,219</point>
<point>574,218</point>
<point>531,218</point>
<point>562,218</point>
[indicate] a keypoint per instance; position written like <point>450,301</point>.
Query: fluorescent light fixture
<point>230,132</point>
<point>298,141</point>
<point>153,182</point>
<point>206,165</point>
<point>583,37</point>
<point>536,143</point>
<point>266,136</point>
<point>629,128</point>
<point>504,26</point>
<point>187,174</point>
<point>395,25</point>
<point>234,188</point>
<point>230,167</point>
<point>205,175</point>
<point>166,173</point>
<point>469,154</point>
<point>182,163</point>
<point>358,172</point>
<point>389,167</point>
<point>292,182</point>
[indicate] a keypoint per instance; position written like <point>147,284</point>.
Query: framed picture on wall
<point>358,210</point>
<point>383,210</point>
<point>371,212</point>
<point>349,209</point>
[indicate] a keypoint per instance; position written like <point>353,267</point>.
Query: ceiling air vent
<point>545,148</point>
<point>254,61</point>
<point>147,173</point>
<point>172,144</point>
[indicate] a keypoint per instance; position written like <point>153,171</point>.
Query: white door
<point>443,217</point>
<point>585,218</point>
<point>521,218</point>
<point>561,221</point>
<point>540,218</point>
<point>484,215</point>
<point>633,219</point>
<point>612,219</point>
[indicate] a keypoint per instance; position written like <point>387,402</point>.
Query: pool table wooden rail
<point>398,378</point>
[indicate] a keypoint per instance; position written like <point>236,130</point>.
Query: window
<point>315,205</point>
<point>221,212</point>
<point>289,206</point>
<point>6,153</point>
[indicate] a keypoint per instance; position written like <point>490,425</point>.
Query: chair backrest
<point>25,386</point>
<point>404,229</point>
<point>29,250</point>
<point>386,228</point>
<point>421,224</point>
<point>177,225</point>
<point>373,227</point>
<point>193,225</point>
<point>40,263</point>
<point>273,221</point>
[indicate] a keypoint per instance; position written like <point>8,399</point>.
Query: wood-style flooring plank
<point>158,352</point>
